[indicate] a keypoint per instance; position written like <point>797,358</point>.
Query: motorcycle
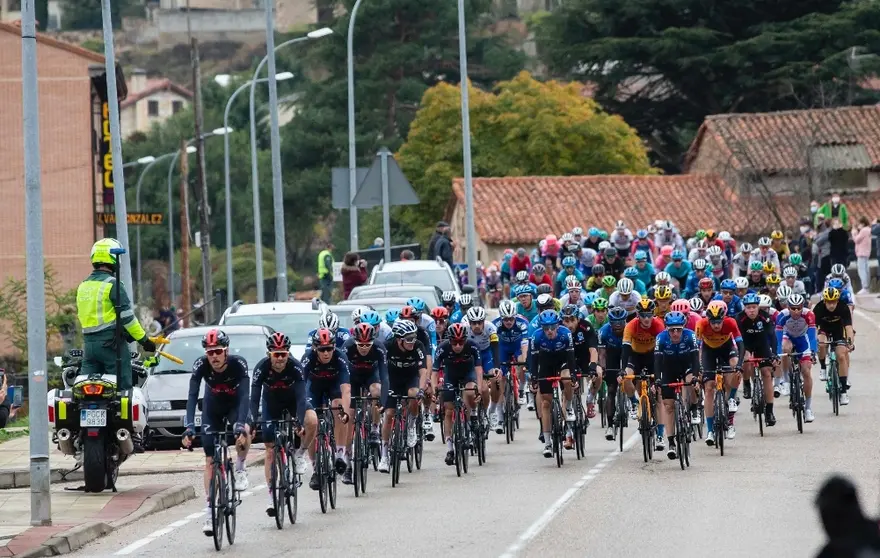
<point>94,421</point>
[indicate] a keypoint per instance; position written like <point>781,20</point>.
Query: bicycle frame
<point>644,387</point>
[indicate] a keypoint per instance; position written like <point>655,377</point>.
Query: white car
<point>294,319</point>
<point>421,272</point>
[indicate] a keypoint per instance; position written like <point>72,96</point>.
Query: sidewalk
<point>79,518</point>
<point>869,302</point>
<point>15,463</point>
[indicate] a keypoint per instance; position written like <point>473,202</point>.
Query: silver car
<point>294,319</point>
<point>167,387</point>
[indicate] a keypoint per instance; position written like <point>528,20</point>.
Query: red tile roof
<point>155,86</point>
<point>777,141</point>
<point>15,28</point>
<point>522,210</point>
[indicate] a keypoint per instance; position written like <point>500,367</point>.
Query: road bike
<point>683,426</point>
<point>645,412</point>
<point>223,499</point>
<point>722,412</point>
<point>325,450</point>
<point>362,451</point>
<point>461,435</point>
<point>759,404</point>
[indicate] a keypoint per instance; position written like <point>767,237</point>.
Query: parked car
<point>167,386</point>
<point>422,272</point>
<point>294,319</point>
<point>429,293</point>
<point>380,305</point>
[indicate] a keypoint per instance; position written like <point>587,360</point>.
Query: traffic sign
<point>339,184</point>
<point>400,191</point>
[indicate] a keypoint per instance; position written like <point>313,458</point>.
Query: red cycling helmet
<point>457,332</point>
<point>408,313</point>
<point>706,283</point>
<point>215,338</point>
<point>363,333</point>
<point>323,337</point>
<point>440,313</point>
<point>278,342</point>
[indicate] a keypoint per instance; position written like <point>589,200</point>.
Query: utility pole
<point>184,235</point>
<point>41,504</point>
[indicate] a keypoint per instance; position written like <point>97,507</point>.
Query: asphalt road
<point>756,500</point>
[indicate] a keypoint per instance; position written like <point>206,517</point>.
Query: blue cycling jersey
<point>734,307</point>
<point>608,339</point>
<point>513,336</point>
<point>342,336</point>
<point>686,346</point>
<point>529,314</point>
<point>540,343</point>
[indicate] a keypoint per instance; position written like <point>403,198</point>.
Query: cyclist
<point>526,306</point>
<point>773,281</point>
<point>383,330</point>
<point>586,353</point>
<point>796,332</point>
<point>679,268</point>
<point>465,303</point>
<point>663,279</point>
<point>460,360</point>
<point>613,262</point>
<point>391,316</point>
<point>369,373</point>
<point>729,298</point>
<point>407,375</point>
<point>676,359</point>
<point>609,285</point>
<point>645,268</point>
<point>625,296</point>
<point>778,245</point>
<point>329,321</point>
<point>485,337</point>
<point>569,267</point>
<point>740,262</point>
<point>742,286</point>
<point>328,377</point>
<point>544,302</point>
<point>699,251</point>
<point>765,254</point>
<point>610,346</point>
<point>720,345</point>
<point>552,354</point>
<point>226,399</point>
<point>717,261</point>
<point>758,332</point>
<point>642,244</point>
<point>683,305</point>
<point>449,300</point>
<point>637,354</point>
<point>599,316</point>
<point>441,321</point>
<point>423,319</point>
<point>663,300</point>
<point>834,322</point>
<point>621,239</point>
<point>409,314</point>
<point>572,292</point>
<point>513,342</point>
<point>790,275</point>
<point>846,296</point>
<point>691,287</point>
<point>706,290</point>
<point>279,383</point>
<point>632,273</point>
<point>539,275</point>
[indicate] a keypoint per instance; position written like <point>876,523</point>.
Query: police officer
<point>95,298</point>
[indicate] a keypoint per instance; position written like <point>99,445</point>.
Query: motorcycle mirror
<point>57,361</point>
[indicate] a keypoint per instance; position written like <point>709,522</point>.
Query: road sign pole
<point>470,230</point>
<point>386,205</point>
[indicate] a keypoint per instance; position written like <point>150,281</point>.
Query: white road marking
<point>542,522</point>
<point>195,515</point>
<point>134,546</point>
<point>180,523</point>
<point>159,533</point>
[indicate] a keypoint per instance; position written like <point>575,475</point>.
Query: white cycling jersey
<point>484,339</point>
<point>740,264</point>
<point>768,256</point>
<point>565,299</point>
<point>627,303</point>
<point>621,240</point>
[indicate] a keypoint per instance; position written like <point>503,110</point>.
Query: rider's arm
<point>383,377</point>
<point>241,394</point>
<point>811,335</point>
<point>299,395</point>
<point>257,391</point>
<point>194,382</point>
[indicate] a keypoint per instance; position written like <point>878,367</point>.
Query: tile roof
<point>522,210</point>
<point>780,141</point>
<point>155,86</point>
<point>15,28</point>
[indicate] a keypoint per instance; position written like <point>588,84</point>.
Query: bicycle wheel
<point>216,504</point>
<point>645,431</point>
<point>398,443</point>
<point>466,440</point>
<point>557,432</point>
<point>681,432</point>
<point>356,458</point>
<point>292,495</point>
<point>277,485</point>
<point>419,450</point>
<point>834,392</point>
<point>620,417</point>
<point>508,414</point>
<point>321,466</point>
<point>231,502</point>
<point>797,400</point>
<point>457,442</point>
<point>579,438</point>
<point>720,421</point>
<point>331,482</point>
<point>601,402</point>
<point>481,439</point>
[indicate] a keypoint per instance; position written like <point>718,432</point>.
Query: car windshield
<point>250,346</point>
<point>296,326</point>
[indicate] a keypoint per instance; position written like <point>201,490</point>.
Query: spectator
<point>407,255</point>
<point>354,273</point>
<point>850,533</point>
<point>433,252</point>
<point>441,245</point>
<point>862,239</point>
<point>5,402</point>
<point>875,237</point>
<point>835,209</point>
<point>821,252</point>
<point>325,272</point>
<point>378,242</point>
<point>839,240</point>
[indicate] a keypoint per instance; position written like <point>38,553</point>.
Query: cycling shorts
<point>674,370</point>
<point>799,345</point>
<point>400,384</point>
<point>322,391</point>
<point>639,361</point>
<point>449,396</point>
<point>551,365</point>
<point>713,358</point>
<point>833,335</point>
<point>217,411</point>
<point>363,382</point>
<point>275,402</point>
<point>488,360</point>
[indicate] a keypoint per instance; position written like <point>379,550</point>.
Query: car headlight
<point>159,406</point>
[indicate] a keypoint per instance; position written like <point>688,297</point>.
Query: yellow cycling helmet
<point>645,306</point>
<point>768,267</point>
<point>716,311</point>
<point>831,294</point>
<point>776,235</point>
<point>101,251</point>
<point>773,279</point>
<point>662,292</point>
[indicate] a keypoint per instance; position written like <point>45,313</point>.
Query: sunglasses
<point>675,329</point>
<point>325,349</point>
<point>457,343</point>
<point>214,352</point>
<point>364,345</point>
<point>409,339</point>
<point>550,328</point>
<point>279,354</point>
<point>643,315</point>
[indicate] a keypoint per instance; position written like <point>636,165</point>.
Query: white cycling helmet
<point>476,314</point>
<point>604,244</point>
<point>838,270</point>
<point>521,276</point>
<point>544,300</point>
<point>745,248</point>
<point>783,292</point>
<point>765,301</point>
<point>403,328</point>
<point>663,277</point>
<point>466,299</point>
<point>724,236</point>
<point>789,271</point>
<point>796,299</point>
<point>625,286</point>
<point>764,241</point>
<point>448,296</point>
<point>566,238</point>
<point>577,231</point>
<point>329,321</point>
<point>507,309</point>
<point>741,283</point>
<point>357,313</point>
<point>714,251</point>
<point>571,282</point>
<point>620,225</point>
<point>696,304</point>
<point>700,264</point>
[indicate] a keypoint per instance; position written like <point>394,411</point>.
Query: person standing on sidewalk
<point>5,402</point>
<point>354,273</point>
<point>325,272</point>
<point>862,239</point>
<point>821,252</point>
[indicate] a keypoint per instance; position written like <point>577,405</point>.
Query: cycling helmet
<point>630,273</point>
<point>609,281</point>
<point>407,313</point>
<point>789,271</point>
<point>696,304</point>
<point>548,318</point>
<point>663,277</point>
<point>466,300</point>
<point>507,309</point>
<point>768,267</point>
<point>441,313</point>
<point>277,342</point>
<point>570,311</point>
<point>662,292</point>
<point>680,305</point>
<point>215,338</point>
<point>323,337</point>
<point>641,234</point>
<point>402,328</point>
<point>740,283</point>
<point>714,251</point>
<point>764,242</point>
<point>777,235</point>
<point>724,236</point>
<point>625,286</point>
<point>765,301</point>
<point>729,284</point>
<point>357,314</point>
<point>457,332</point>
<point>756,266</point>
<point>620,225</point>
<point>476,314</point>
<point>593,231</point>
<point>603,235</point>
<point>617,314</point>
<point>448,297</point>
<point>751,298</point>
<point>646,306</point>
<point>675,319</point>
<point>545,301</point>
<point>677,255</point>
<point>641,256</point>
<point>604,244</point>
<point>600,304</point>
<point>418,305</point>
<point>836,284</point>
<point>795,300</point>
<point>363,333</point>
<point>590,298</point>
<point>700,264</point>
<point>566,238</point>
<point>667,225</point>
<point>543,288</point>
<point>838,270</point>
<point>391,316</point>
<point>831,294</point>
<point>577,231</point>
<point>783,292</point>
<point>706,283</point>
<point>773,279</point>
<point>569,261</point>
<point>700,234</point>
<point>539,269</point>
<point>716,311</point>
<point>795,259</point>
<point>598,269</point>
<point>329,321</point>
<point>745,248</point>
<point>521,276</point>
<point>571,282</point>
<point>702,245</point>
<point>610,252</point>
<point>371,317</point>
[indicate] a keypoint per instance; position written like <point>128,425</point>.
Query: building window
<point>176,106</point>
<point>153,108</point>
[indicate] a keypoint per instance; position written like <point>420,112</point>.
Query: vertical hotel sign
<point>106,156</point>
<point>101,140</point>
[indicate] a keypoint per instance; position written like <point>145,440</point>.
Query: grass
<point>6,435</point>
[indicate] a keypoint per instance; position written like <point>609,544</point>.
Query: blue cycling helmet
<point>590,298</point>
<point>508,256</point>
<point>517,290</point>
<point>531,289</point>
<point>675,319</point>
<point>630,273</point>
<point>728,285</point>
<point>677,254</point>
<point>548,318</point>
<point>836,284</point>
<point>641,256</point>
<point>569,261</point>
<point>391,316</point>
<point>371,317</point>
<point>617,314</point>
<point>751,298</point>
<point>593,231</point>
<point>570,310</point>
<point>418,305</point>
<point>641,234</point>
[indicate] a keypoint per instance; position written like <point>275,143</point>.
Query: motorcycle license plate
<point>91,418</point>
<point>198,421</point>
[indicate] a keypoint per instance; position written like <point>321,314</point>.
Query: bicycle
<point>325,450</point>
<point>601,399</point>
<point>461,435</point>
<point>557,419</point>
<point>759,405</point>
<point>581,421</point>
<point>398,448</point>
<point>511,402</point>
<point>481,428</point>
<point>284,482</point>
<point>621,419</point>
<point>222,497</point>
<point>362,451</point>
<point>832,385</point>
<point>796,398</point>
<point>683,427</point>
<point>646,412</point>
<point>721,409</point>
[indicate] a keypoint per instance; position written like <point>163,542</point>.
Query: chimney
<point>138,80</point>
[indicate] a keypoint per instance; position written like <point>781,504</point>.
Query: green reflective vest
<point>322,268</point>
<point>94,306</point>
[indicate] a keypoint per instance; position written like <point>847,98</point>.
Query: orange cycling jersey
<point>715,339</point>
<point>642,340</point>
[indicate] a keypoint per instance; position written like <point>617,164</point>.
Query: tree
<point>664,66</point>
<point>525,128</point>
<point>86,14</point>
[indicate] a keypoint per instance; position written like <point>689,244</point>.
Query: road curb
<point>79,536</point>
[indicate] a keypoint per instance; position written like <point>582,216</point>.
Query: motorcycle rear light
<point>135,412</point>
<point>52,414</point>
<point>93,389</point>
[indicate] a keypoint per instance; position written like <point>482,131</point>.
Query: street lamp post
<point>229,283</point>
<point>470,231</point>
<point>255,178</point>
<point>352,155</point>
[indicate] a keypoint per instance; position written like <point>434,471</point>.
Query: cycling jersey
<point>646,274</point>
<point>646,246</point>
<point>542,280</point>
<point>324,381</point>
<point>427,323</point>
<point>765,256</point>
<point>621,239</point>
<point>758,285</point>
<point>457,365</point>
<point>639,339</point>
<point>628,303</point>
<point>228,389</point>
<point>510,340</point>
<point>565,300</point>
<point>758,335</point>
<point>562,276</point>
<point>740,264</point>
<point>368,369</point>
<point>584,338</point>
<point>693,318</point>
<point>734,307</point>
<point>279,391</point>
<point>673,360</point>
<point>487,343</point>
<point>833,323</point>
<point>608,339</point>
<point>707,336</point>
<point>847,282</point>
<point>679,272</point>
<point>801,331</point>
<point>550,356</point>
<point>528,313</point>
<point>719,267</point>
<point>595,323</point>
<point>692,285</point>
<point>798,287</point>
<point>404,368</point>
